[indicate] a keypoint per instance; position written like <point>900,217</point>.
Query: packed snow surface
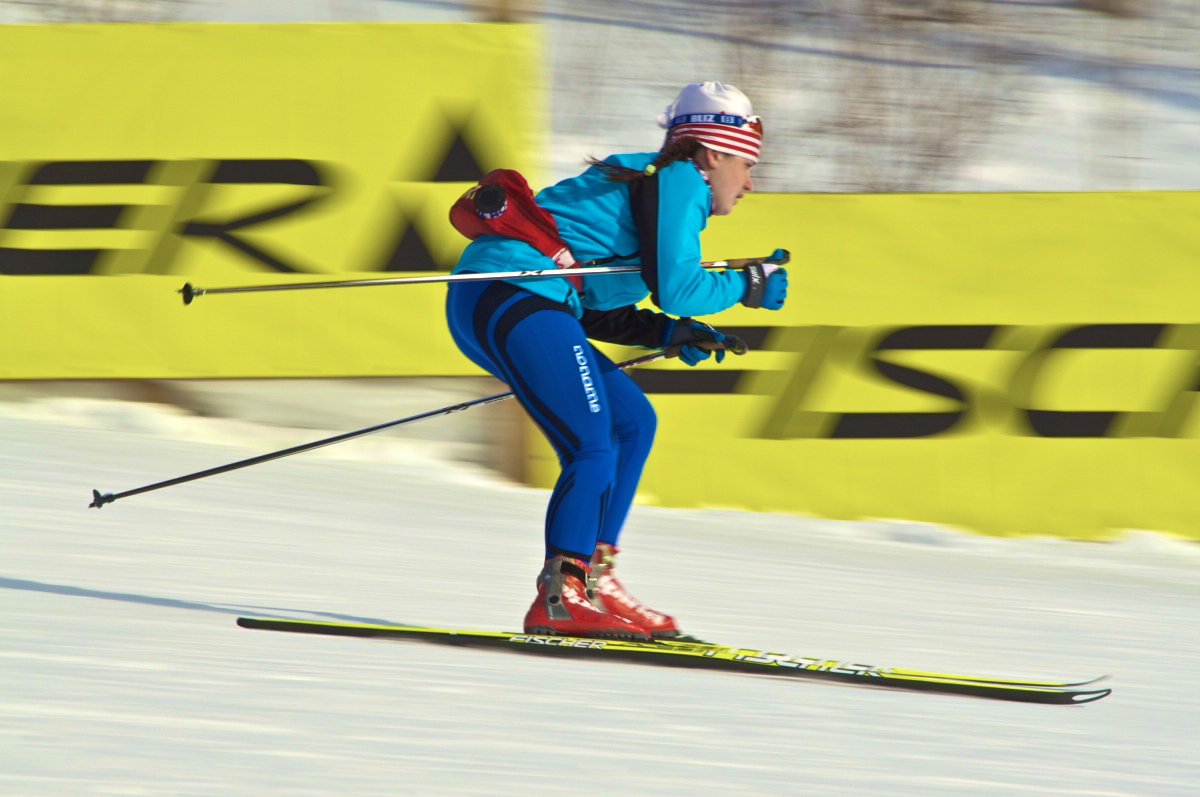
<point>124,672</point>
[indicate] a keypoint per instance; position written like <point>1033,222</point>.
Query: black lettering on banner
<point>198,178</point>
<point>702,382</point>
<point>29,215</point>
<point>182,217</point>
<point>754,337</point>
<point>120,172</point>
<point>1172,421</point>
<point>458,164</point>
<point>410,252</point>
<point>57,262</point>
<point>1077,423</point>
<point>787,418</point>
<point>260,172</point>
<point>915,424</point>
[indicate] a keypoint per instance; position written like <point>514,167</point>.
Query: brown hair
<point>681,149</point>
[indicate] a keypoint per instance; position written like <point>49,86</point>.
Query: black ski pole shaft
<point>99,499</point>
<point>190,292</point>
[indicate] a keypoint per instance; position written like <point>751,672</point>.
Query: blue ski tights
<point>598,421</point>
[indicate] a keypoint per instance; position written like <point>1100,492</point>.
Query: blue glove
<point>766,285</point>
<point>694,341</point>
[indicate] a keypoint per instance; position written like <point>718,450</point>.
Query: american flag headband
<point>728,119</point>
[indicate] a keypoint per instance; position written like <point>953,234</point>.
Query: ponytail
<point>680,149</point>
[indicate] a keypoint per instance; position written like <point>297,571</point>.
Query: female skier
<point>632,209</point>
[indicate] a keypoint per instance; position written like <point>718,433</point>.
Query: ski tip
<point>1090,696</point>
<point>1076,695</point>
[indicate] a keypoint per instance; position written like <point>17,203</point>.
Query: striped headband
<point>717,115</point>
<point>735,135</point>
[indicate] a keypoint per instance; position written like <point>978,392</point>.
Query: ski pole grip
<point>732,344</point>
<point>780,257</point>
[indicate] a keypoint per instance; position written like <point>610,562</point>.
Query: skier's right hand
<point>694,341</point>
<point>766,286</point>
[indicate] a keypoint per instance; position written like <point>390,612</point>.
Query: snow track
<point>124,671</point>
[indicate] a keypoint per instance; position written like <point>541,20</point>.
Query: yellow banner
<point>1008,363</point>
<point>134,158</point>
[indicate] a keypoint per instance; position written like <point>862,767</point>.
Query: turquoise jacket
<point>654,222</point>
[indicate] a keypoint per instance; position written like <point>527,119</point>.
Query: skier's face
<point>728,179</point>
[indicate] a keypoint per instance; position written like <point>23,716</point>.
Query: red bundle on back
<point>503,204</point>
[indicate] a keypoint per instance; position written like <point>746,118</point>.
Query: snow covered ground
<point>124,673</point>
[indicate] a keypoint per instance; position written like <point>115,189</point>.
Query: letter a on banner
<point>458,164</point>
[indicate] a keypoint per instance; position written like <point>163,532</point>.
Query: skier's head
<point>714,125</point>
<point>718,116</point>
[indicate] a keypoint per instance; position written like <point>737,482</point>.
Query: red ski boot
<point>564,607</point>
<point>613,596</point>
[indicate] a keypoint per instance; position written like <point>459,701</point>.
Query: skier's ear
<point>706,158</point>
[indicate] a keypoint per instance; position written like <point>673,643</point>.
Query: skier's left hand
<point>694,342</point>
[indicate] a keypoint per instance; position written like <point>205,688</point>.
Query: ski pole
<point>99,499</point>
<point>779,257</point>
